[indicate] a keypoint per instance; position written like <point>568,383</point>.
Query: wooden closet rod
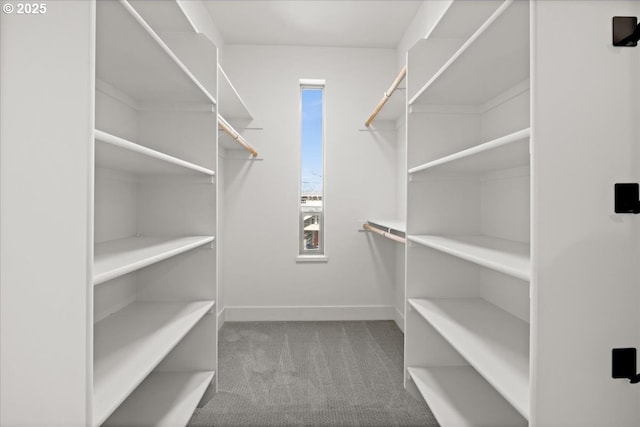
<point>384,233</point>
<point>225,126</point>
<point>386,96</point>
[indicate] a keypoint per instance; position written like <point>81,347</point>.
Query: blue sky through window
<point>311,177</point>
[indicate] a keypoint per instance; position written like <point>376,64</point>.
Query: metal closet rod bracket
<point>627,198</point>
<point>626,31</point>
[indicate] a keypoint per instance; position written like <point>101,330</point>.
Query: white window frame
<point>321,255</point>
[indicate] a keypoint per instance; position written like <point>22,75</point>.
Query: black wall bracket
<point>623,364</point>
<point>626,31</point>
<point>627,198</point>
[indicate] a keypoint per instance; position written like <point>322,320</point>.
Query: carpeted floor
<point>311,374</point>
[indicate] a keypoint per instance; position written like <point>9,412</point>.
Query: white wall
<point>261,198</point>
<point>45,250</point>
<point>585,290</point>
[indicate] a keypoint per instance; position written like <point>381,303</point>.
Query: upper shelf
<point>117,153</point>
<point>505,256</point>
<point>501,153</point>
<point>164,16</point>
<point>493,341</point>
<point>494,59</point>
<point>232,107</point>
<point>118,257</point>
<point>462,18</point>
<point>133,58</point>
<point>129,344</point>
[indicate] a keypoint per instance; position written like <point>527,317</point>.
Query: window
<point>311,209</point>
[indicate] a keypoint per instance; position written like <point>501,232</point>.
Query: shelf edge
<point>149,152</point>
<point>470,41</point>
<point>134,13</point>
<point>486,146</point>
<point>121,271</point>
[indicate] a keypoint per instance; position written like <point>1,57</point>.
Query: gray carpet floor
<point>311,374</point>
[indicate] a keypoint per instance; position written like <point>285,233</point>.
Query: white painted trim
<point>312,82</point>
<point>221,318</point>
<point>310,313</point>
<point>312,258</point>
<point>398,317</point>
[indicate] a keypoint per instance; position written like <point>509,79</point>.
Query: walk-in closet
<point>319,213</point>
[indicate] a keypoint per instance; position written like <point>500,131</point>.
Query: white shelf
<point>129,344</point>
<point>494,59</point>
<point>506,256</point>
<point>164,16</point>
<point>117,153</point>
<point>131,57</point>
<point>493,341</point>
<point>232,107</point>
<point>458,396</point>
<point>462,18</point>
<point>117,257</point>
<point>393,224</point>
<point>501,153</point>
<point>164,399</point>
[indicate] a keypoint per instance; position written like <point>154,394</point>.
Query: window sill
<point>312,258</point>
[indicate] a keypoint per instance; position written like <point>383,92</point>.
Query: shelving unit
<point>131,343</point>
<point>155,327</point>
<point>127,48</point>
<point>494,59</point>
<point>493,341</point>
<point>469,268</point>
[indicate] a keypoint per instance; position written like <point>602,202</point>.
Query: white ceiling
<point>347,23</point>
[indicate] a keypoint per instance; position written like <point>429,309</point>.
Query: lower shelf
<point>129,344</point>
<point>494,342</point>
<point>460,397</point>
<point>164,399</point>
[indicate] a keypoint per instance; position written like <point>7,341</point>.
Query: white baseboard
<point>356,312</point>
<point>398,317</point>
<point>221,318</point>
